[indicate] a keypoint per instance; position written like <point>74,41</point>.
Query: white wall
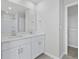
<point>48,18</point>
<point>61,29</point>
<point>51,21</point>
<point>73,26</point>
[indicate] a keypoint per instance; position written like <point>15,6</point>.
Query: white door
<point>25,51</point>
<point>10,54</point>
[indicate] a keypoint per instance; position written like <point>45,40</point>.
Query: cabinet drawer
<point>13,44</point>
<point>36,38</point>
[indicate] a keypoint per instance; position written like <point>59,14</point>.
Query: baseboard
<point>62,55</point>
<point>52,56</point>
<point>72,46</point>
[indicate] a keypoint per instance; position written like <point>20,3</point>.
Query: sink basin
<point>15,36</point>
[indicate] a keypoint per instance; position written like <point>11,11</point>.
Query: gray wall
<point>73,26</point>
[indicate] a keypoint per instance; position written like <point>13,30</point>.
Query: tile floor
<point>73,54</point>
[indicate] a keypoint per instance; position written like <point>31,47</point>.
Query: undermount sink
<point>15,36</point>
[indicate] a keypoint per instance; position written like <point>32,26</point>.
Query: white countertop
<point>6,38</point>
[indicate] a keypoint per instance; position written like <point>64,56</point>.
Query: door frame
<point>66,25</point>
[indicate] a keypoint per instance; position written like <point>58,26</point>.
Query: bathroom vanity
<point>17,21</point>
<point>23,47</point>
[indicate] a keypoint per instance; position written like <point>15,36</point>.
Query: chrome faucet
<point>13,33</point>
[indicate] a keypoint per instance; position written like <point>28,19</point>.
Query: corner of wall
<point>62,55</point>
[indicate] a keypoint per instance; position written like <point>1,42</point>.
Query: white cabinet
<point>28,48</point>
<point>37,46</point>
<point>22,51</point>
<point>10,54</point>
<point>25,51</point>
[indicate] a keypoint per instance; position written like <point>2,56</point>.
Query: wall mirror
<point>16,18</point>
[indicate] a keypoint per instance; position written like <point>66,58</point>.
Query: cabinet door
<point>25,51</point>
<point>10,54</point>
<point>37,46</point>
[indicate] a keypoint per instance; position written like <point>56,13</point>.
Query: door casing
<point>66,25</point>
